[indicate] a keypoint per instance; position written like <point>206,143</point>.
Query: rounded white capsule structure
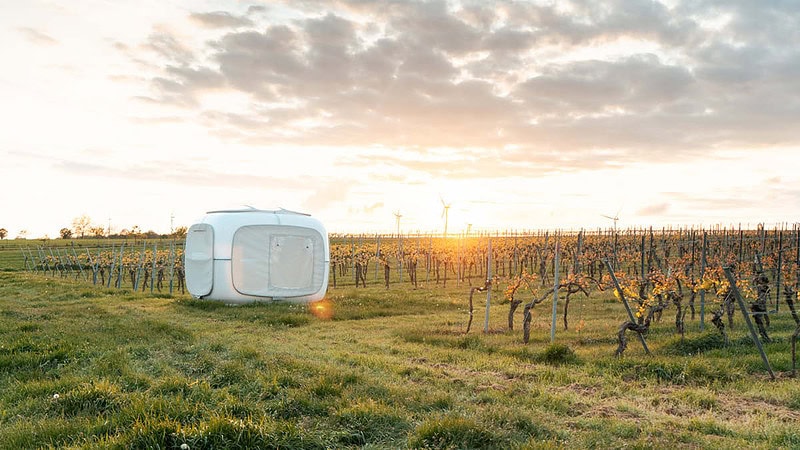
<point>250,255</point>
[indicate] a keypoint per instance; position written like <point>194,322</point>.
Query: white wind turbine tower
<point>445,213</point>
<point>615,218</point>
<point>397,216</point>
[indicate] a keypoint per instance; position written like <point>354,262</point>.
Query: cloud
<point>220,19</point>
<point>37,37</point>
<point>656,209</point>
<point>193,175</point>
<point>327,195</point>
<point>571,79</point>
<point>367,209</point>
<point>635,85</point>
<point>168,46</point>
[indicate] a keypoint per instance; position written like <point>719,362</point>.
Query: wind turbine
<point>445,213</point>
<point>397,215</point>
<point>615,218</point>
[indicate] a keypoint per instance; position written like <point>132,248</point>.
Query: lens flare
<point>322,309</point>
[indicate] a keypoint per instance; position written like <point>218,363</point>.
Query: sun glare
<point>322,309</point>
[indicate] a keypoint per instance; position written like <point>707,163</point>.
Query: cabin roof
<point>250,209</point>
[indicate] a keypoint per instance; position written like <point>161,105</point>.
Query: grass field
<point>84,366</point>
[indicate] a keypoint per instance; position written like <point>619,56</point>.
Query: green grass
<point>91,367</point>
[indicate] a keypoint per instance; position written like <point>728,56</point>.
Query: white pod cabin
<point>251,255</point>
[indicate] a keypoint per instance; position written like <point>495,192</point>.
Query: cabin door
<point>199,255</point>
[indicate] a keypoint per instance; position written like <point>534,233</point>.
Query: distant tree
<point>23,234</point>
<point>97,231</point>
<point>180,232</point>
<point>80,225</point>
<point>3,233</point>
<point>65,233</point>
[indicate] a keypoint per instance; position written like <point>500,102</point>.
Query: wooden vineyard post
<point>625,302</point>
<point>488,282</point>
<point>353,257</point>
<point>59,263</point>
<point>577,268</point>
<point>650,252</point>
<point>400,257</point>
<point>703,263</point>
<point>458,260</point>
<point>118,283</point>
<point>747,320</point>
<point>641,253</point>
<point>797,258</point>
<point>64,261</point>
<point>43,259</point>
<point>94,267</point>
<point>97,262</point>
<point>80,266</point>
<point>778,272</point>
<point>139,268</point>
<point>29,258</point>
<point>741,244</point>
<point>56,261</point>
<point>54,266</point>
<point>112,260</point>
<point>68,265</point>
<point>153,267</point>
<point>429,260</point>
<point>32,260</point>
<point>555,292</point>
<point>61,260</point>
<point>171,264</point>
<point>377,257</point>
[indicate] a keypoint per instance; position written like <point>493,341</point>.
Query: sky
<point>517,114</point>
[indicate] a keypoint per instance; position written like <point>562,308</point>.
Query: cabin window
<point>277,260</point>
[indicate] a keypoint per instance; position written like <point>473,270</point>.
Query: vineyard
<point>650,271</point>
<point>696,272</point>
<point>138,265</point>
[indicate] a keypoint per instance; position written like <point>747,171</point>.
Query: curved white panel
<point>199,256</point>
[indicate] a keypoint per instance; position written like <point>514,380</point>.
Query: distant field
<point>11,257</point>
<point>85,366</point>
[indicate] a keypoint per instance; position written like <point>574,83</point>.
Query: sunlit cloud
<point>37,37</point>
